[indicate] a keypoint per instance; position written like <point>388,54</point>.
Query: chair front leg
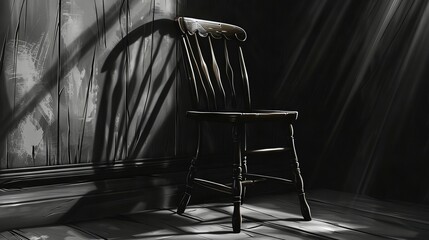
<point>237,187</point>
<point>299,183</point>
<point>190,177</point>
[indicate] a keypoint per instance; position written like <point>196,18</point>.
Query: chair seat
<point>248,116</point>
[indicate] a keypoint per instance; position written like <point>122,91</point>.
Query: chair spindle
<point>206,95</point>
<point>205,70</point>
<point>216,72</point>
<point>230,75</point>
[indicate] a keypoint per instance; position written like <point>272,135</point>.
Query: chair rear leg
<point>244,169</point>
<point>299,183</point>
<point>190,177</point>
<point>243,159</point>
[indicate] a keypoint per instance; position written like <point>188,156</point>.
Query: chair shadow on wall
<point>107,149</point>
<point>10,118</point>
<point>115,91</point>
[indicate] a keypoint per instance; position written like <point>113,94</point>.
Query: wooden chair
<point>216,99</point>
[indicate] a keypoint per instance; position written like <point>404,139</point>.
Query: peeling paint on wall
<point>26,66</point>
<point>32,135</point>
<point>24,72</point>
<point>72,24</point>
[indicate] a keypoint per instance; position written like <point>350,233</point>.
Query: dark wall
<point>105,87</point>
<point>356,72</point>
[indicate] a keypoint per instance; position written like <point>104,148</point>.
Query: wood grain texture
<point>26,59</point>
<point>264,217</point>
<point>55,232</point>
<point>104,89</point>
<point>83,201</point>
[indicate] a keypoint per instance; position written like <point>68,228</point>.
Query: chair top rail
<point>215,29</point>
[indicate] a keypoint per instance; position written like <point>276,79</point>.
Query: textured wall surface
<point>96,81</point>
<point>87,81</point>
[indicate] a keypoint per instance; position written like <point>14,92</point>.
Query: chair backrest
<point>213,55</point>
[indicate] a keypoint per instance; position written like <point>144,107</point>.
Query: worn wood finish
<point>337,215</point>
<point>204,28</point>
<point>235,116</point>
<point>217,109</point>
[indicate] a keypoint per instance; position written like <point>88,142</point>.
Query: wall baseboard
<point>36,176</point>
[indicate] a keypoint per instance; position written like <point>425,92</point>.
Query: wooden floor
<point>335,216</point>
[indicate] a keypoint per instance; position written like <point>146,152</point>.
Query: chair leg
<point>299,184</point>
<point>244,161</point>
<point>237,177</point>
<point>244,168</point>
<point>190,177</point>
<point>189,186</point>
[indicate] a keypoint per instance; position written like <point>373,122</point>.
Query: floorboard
<point>336,215</point>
